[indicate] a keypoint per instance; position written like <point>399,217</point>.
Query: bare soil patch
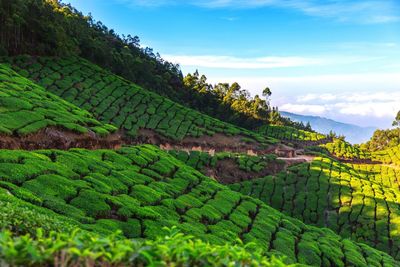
<point>211,144</point>
<point>54,138</point>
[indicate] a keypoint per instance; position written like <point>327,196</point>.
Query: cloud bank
<point>376,106</point>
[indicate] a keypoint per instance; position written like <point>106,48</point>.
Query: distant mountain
<point>354,134</point>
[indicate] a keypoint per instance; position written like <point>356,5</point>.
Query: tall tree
<point>396,123</point>
<point>267,94</point>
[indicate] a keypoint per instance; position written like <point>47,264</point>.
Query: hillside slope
<point>357,200</point>
<point>140,114</point>
<point>27,109</point>
<point>141,189</point>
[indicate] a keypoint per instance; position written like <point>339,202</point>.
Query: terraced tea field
<point>292,134</point>
<point>388,156</point>
<point>230,167</point>
<point>141,189</point>
<point>26,108</point>
<point>121,103</point>
<point>344,150</point>
<point>357,201</point>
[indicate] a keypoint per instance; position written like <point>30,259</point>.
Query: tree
<point>308,126</point>
<point>267,93</point>
<point>396,121</point>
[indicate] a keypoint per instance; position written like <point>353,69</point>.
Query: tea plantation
<point>347,151</point>
<point>98,171</point>
<point>87,249</point>
<point>121,103</point>
<point>388,156</point>
<point>27,108</point>
<point>359,201</point>
<point>31,237</point>
<point>291,134</point>
<point>252,165</point>
<point>140,190</point>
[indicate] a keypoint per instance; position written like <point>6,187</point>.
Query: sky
<point>338,59</point>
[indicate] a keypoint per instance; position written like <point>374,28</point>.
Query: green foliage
<point>289,133</point>
<point>80,187</point>
<point>345,150</point>
<point>203,160</point>
<point>51,28</point>
<point>78,248</point>
<point>357,201</point>
<point>388,156</point>
<point>27,108</point>
<point>121,103</point>
<point>383,139</point>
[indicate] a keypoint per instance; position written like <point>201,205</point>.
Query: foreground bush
<point>86,249</point>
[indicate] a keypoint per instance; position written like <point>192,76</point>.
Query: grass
<point>26,108</point>
<point>140,190</point>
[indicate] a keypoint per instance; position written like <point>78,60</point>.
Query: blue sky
<point>339,59</point>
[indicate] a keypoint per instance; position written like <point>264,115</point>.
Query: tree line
<point>383,139</point>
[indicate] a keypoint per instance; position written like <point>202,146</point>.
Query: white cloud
<point>295,86</point>
<point>378,105</point>
<point>304,109</point>
<point>353,97</point>
<point>229,62</point>
<point>365,99</point>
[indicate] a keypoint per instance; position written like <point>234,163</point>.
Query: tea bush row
<point>27,108</point>
<point>140,190</point>
<point>77,248</point>
<point>388,156</point>
<point>202,160</point>
<point>356,201</point>
<point>289,133</point>
<point>121,103</point>
<point>345,150</point>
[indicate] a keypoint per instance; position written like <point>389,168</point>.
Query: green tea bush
<point>141,207</point>
<point>203,160</point>
<point>388,156</point>
<point>290,134</point>
<point>78,248</point>
<point>358,201</point>
<point>26,108</point>
<point>120,102</point>
<point>345,150</point>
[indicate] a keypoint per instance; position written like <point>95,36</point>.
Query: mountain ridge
<point>355,134</point>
